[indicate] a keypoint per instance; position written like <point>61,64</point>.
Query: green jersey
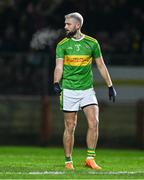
<point>77,56</point>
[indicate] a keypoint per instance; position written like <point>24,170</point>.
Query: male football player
<point>73,81</point>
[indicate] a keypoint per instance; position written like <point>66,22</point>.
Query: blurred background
<point>29,110</point>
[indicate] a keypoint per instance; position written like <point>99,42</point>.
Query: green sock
<point>91,153</point>
<point>68,159</point>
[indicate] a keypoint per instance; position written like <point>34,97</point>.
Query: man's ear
<point>78,25</point>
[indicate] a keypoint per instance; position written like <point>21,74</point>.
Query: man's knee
<point>70,126</point>
<point>93,123</point>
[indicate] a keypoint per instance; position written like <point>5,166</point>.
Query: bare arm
<point>58,70</point>
<point>103,71</point>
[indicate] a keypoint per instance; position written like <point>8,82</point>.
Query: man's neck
<point>78,35</point>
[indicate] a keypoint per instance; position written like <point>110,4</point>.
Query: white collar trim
<point>79,39</point>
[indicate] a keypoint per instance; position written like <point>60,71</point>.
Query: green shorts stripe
<point>61,101</point>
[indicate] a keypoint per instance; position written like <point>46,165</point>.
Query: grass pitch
<point>48,163</point>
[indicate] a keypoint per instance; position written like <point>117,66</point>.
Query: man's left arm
<point>106,76</point>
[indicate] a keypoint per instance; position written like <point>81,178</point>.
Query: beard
<point>70,34</point>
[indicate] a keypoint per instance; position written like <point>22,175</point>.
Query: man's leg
<point>92,115</point>
<point>70,120</point>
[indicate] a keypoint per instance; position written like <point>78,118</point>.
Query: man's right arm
<point>58,70</point>
<point>58,75</point>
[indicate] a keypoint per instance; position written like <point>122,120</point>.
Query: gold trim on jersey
<point>63,41</point>
<point>77,60</point>
<point>91,38</point>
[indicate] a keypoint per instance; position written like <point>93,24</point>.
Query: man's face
<point>71,27</point>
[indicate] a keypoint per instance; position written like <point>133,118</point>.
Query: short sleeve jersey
<point>77,56</point>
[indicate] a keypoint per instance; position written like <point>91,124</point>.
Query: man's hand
<point>112,93</point>
<point>57,88</point>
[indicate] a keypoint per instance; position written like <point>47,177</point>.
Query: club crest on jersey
<point>77,46</point>
<point>70,48</point>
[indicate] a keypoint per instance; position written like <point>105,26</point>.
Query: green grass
<point>48,163</point>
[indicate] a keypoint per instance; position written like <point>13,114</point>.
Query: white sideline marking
<point>47,172</point>
<point>35,172</point>
<point>116,172</point>
<point>90,172</point>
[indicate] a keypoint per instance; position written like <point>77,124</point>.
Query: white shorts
<point>74,100</point>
